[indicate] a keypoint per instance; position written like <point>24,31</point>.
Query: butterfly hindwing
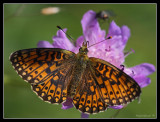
<point>44,69</point>
<point>87,98</point>
<point>53,89</point>
<point>116,87</point>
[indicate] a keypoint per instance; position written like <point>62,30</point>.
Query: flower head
<point>110,50</point>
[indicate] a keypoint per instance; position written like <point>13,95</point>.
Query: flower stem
<point>115,115</point>
<point>117,112</point>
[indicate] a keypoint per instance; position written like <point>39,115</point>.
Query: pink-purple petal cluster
<point>110,50</point>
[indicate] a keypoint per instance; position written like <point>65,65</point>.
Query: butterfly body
<point>77,73</point>
<point>57,74</point>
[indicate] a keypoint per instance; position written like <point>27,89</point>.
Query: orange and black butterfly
<point>57,74</point>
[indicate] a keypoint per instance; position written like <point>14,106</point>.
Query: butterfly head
<point>83,50</point>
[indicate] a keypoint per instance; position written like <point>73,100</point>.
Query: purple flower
<point>110,50</point>
<point>67,104</point>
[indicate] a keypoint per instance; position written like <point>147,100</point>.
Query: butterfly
<point>56,74</point>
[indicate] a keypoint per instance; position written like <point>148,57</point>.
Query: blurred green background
<point>24,26</point>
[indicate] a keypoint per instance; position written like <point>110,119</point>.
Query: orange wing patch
<point>46,69</point>
<point>116,87</point>
<point>51,90</point>
<point>34,65</point>
<point>88,99</point>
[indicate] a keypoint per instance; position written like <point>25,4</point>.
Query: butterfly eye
<point>80,49</point>
<point>86,50</point>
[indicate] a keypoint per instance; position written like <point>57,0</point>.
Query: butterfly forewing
<point>116,87</point>
<point>46,69</point>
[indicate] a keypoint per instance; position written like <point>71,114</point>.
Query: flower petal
<point>61,41</point>
<point>117,107</point>
<point>79,42</point>
<point>83,115</point>
<point>119,36</point>
<point>125,33</point>
<point>140,73</point>
<point>142,81</point>
<point>67,104</point>
<point>143,69</point>
<point>91,28</point>
<point>114,29</point>
<point>89,18</point>
<point>44,44</point>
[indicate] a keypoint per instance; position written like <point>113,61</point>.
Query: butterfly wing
<point>88,98</point>
<point>47,69</point>
<point>116,87</point>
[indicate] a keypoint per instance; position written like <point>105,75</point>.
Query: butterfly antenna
<point>85,41</point>
<point>110,37</point>
<point>65,33</point>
